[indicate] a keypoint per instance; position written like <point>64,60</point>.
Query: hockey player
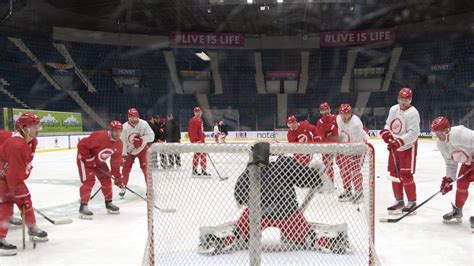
<point>350,130</point>
<point>92,154</point>
<point>401,134</point>
<point>327,124</point>
<point>222,131</point>
<point>16,156</point>
<point>456,145</point>
<point>196,135</point>
<point>302,132</point>
<point>279,208</point>
<point>135,137</point>
<point>4,135</point>
<point>216,132</point>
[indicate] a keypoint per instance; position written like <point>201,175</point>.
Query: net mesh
<point>314,205</point>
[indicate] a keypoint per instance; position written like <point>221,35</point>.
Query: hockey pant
<point>127,165</point>
<point>200,159</point>
<point>462,185</point>
<point>88,175</point>
<point>350,167</point>
<point>406,162</point>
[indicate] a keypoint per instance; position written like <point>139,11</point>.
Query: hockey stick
<point>23,227</point>
<point>394,220</point>
<point>390,178</point>
<point>156,207</point>
<point>394,158</point>
<point>138,195</point>
<point>96,193</point>
<point>55,222</point>
<point>222,178</point>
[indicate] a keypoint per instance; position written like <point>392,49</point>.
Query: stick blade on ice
<point>65,221</point>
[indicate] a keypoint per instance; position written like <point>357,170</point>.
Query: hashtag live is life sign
<point>357,37</point>
<point>206,39</point>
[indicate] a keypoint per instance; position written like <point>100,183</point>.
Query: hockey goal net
<point>314,204</point>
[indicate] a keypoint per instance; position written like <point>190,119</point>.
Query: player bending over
<point>279,209</point>
<point>456,145</point>
<point>16,156</point>
<point>92,154</point>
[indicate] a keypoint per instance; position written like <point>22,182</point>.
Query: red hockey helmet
<point>115,125</point>
<point>291,119</point>
<point>440,123</point>
<point>133,112</point>
<point>27,119</point>
<point>197,109</point>
<point>345,108</point>
<point>405,93</point>
<point>324,106</point>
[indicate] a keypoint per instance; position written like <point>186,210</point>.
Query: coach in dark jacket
<point>172,134</point>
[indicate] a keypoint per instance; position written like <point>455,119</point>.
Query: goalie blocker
<point>279,209</point>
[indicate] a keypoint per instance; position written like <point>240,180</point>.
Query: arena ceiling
<point>261,17</point>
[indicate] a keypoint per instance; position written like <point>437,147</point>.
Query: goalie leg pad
<point>214,240</point>
<point>329,238</point>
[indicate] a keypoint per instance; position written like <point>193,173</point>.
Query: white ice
<point>120,239</point>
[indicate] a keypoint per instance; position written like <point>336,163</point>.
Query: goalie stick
<point>395,220</point>
<point>222,178</point>
<point>55,222</point>
<point>138,195</point>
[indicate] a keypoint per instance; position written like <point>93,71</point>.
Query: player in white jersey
<point>401,134</point>
<point>136,135</point>
<point>217,132</point>
<point>456,145</point>
<point>350,130</point>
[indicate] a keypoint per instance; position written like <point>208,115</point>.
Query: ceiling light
<point>203,56</point>
<point>249,1</point>
<point>279,1</point>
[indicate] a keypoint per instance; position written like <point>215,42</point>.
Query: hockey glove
<point>137,142</point>
<point>386,136</point>
<point>446,185</point>
<point>118,181</point>
<point>394,145</point>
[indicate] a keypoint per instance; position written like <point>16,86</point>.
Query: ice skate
<point>15,221</point>
<point>410,206</point>
<point>396,208</point>
<point>111,208</point>
<point>36,234</point>
<point>454,216</point>
<point>122,192</point>
<point>205,174</point>
<point>357,197</point>
<point>472,223</point>
<point>7,249</point>
<point>84,212</point>
<point>345,196</point>
<point>195,174</point>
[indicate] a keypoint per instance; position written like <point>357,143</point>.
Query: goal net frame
<point>157,205</point>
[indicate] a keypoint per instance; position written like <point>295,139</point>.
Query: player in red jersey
<point>327,123</point>
<point>92,154</point>
<point>16,156</point>
<point>196,135</point>
<point>302,132</point>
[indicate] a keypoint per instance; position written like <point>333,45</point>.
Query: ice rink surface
<point>120,239</point>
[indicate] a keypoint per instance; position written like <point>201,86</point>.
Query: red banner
<point>281,74</point>
<point>206,39</point>
<point>357,37</point>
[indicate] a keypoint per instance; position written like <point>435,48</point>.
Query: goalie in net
<point>279,209</point>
